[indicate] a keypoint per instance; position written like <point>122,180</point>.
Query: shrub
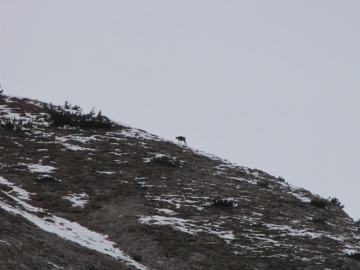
<point>94,206</point>
<point>47,178</point>
<point>136,257</point>
<point>336,201</point>
<point>355,255</point>
<point>281,179</point>
<point>43,137</point>
<point>101,197</point>
<point>73,116</point>
<point>1,90</point>
<point>263,183</point>
<point>257,224</point>
<point>5,188</point>
<point>318,202</point>
<point>15,124</point>
<point>357,223</point>
<point>7,123</point>
<point>166,160</point>
<point>218,202</point>
<point>27,124</point>
<point>319,220</point>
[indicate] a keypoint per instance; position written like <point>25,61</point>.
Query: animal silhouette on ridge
<point>181,139</point>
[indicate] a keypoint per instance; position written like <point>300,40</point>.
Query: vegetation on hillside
<point>72,116</point>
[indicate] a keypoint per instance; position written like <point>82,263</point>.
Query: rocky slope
<point>81,195</point>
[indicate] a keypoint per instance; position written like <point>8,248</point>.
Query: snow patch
<point>39,168</point>
<point>187,226</point>
<point>76,148</point>
<point>167,211</point>
<point>105,172</point>
<point>77,199</point>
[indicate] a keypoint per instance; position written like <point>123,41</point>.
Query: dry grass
<point>121,187</point>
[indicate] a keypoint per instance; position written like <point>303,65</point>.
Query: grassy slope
<point>118,200</point>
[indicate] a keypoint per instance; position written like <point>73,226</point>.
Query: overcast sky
<point>272,85</point>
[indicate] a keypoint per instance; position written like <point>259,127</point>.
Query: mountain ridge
<point>149,202</point>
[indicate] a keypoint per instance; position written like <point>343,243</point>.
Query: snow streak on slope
<point>66,229</point>
<point>187,226</point>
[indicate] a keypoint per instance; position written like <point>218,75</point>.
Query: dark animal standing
<point>181,139</point>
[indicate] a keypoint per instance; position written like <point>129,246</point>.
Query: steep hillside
<point>78,191</point>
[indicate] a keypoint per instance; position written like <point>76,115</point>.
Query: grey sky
<point>272,85</point>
